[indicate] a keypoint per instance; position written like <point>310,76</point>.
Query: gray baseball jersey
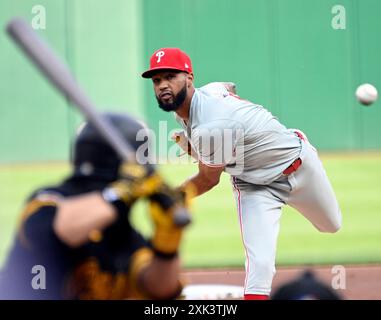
<point>256,151</point>
<point>247,138</point>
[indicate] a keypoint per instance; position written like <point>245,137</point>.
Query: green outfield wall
<point>100,40</point>
<point>301,59</point>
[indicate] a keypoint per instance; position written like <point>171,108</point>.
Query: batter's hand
<point>166,236</point>
<point>170,218</point>
<point>135,182</point>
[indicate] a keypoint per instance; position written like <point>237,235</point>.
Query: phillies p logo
<point>159,54</point>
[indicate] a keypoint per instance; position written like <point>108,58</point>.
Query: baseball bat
<point>60,76</point>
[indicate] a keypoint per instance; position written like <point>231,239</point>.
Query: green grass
<point>213,240</point>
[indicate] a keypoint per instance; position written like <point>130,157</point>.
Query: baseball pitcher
<point>270,165</point>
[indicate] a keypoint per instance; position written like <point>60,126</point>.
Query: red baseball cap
<point>169,59</point>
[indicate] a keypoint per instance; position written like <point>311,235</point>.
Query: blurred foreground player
<point>75,240</point>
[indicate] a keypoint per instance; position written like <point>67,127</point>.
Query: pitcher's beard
<point>177,101</point>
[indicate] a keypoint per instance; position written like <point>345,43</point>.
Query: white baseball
<point>366,94</point>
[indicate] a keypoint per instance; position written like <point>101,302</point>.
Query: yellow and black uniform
<point>99,269</point>
<point>109,264</point>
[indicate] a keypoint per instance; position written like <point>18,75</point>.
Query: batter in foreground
<point>270,165</point>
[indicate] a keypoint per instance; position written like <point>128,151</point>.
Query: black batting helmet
<point>93,156</point>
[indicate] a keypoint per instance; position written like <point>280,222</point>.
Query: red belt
<point>298,162</point>
<point>293,167</point>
